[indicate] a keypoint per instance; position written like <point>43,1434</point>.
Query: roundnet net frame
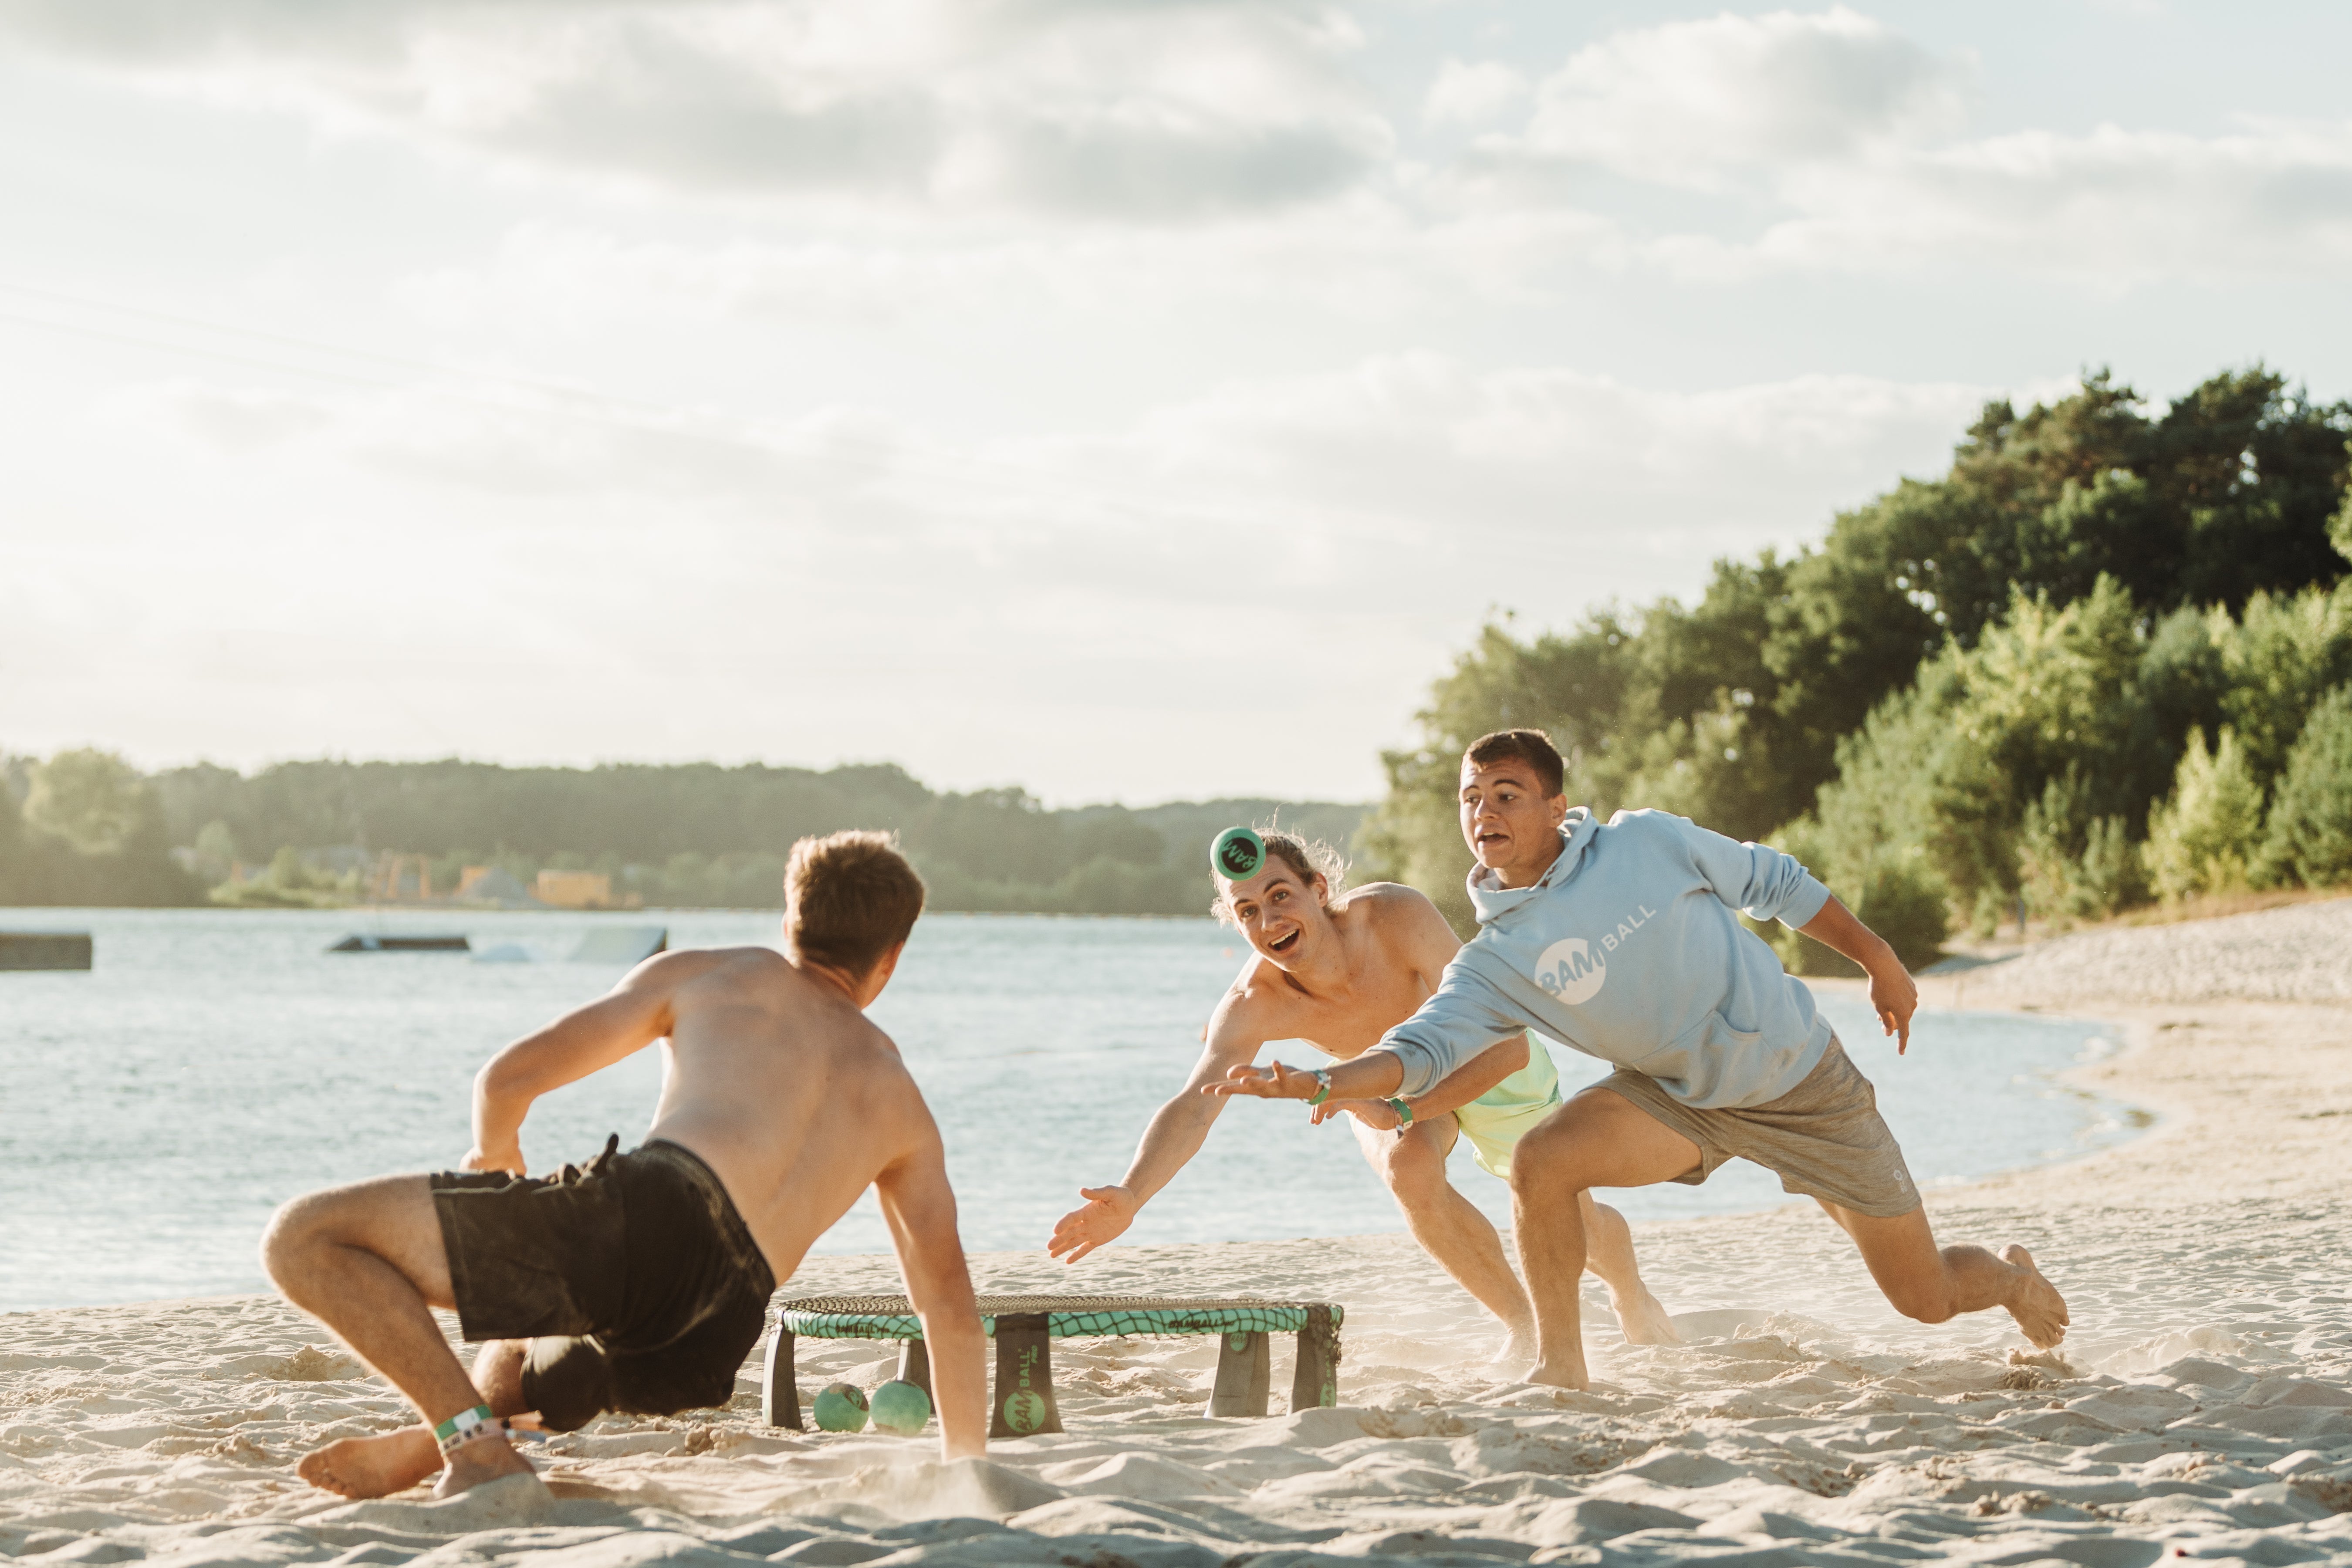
<point>1066,1317</point>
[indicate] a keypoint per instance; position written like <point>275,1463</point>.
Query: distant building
<point>493,885</point>
<point>575,889</point>
<point>400,880</point>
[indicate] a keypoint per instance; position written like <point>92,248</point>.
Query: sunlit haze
<point>1128,401</point>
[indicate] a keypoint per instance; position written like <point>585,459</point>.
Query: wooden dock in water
<point>45,950</point>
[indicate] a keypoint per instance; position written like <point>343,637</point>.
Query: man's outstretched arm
<point>1175,1134</point>
<point>920,1209</point>
<point>1483,1071</point>
<point>633,1016</point>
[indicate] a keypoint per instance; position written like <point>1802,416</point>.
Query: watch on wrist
<point>1404,1111</point>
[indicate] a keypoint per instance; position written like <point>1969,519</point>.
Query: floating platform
<point>357,944</point>
<point>45,950</point>
<point>628,945</point>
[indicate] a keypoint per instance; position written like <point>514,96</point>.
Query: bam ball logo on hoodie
<point>1570,971</point>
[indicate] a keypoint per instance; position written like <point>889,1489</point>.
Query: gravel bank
<point>2299,953</point>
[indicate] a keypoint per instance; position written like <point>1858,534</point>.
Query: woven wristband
<point>1322,1088</point>
<point>465,1427</point>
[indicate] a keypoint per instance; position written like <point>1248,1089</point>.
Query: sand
<point>2202,1407</point>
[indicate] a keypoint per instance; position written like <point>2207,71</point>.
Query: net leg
<point>915,1365</point>
<point>1244,1370</point>
<point>780,1393</point>
<point>1024,1378</point>
<point>1316,1382</point>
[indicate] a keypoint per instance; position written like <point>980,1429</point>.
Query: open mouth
<point>1487,838</point>
<point>1284,942</point>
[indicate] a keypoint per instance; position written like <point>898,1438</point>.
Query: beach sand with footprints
<point>2201,1408</point>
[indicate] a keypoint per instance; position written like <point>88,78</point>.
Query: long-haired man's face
<point>1281,916</point>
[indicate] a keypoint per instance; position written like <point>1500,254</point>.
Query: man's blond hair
<point>849,899</point>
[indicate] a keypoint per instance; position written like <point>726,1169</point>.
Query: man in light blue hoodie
<point>1621,940</point>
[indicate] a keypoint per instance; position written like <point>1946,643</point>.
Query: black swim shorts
<point>635,1281</point>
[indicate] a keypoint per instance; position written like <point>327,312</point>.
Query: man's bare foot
<point>1570,1375</point>
<point>372,1466</point>
<point>2035,1303</point>
<point>483,1460</point>
<point>1647,1323</point>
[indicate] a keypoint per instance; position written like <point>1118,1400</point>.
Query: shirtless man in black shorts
<point>639,1281</point>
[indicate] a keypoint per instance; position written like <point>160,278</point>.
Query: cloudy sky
<point>1132,400</point>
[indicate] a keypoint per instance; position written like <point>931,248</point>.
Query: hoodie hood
<point>1491,901</point>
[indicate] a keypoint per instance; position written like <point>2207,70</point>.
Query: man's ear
<point>1558,804</point>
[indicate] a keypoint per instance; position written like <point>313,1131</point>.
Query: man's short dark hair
<point>849,898</point>
<point>1532,747</point>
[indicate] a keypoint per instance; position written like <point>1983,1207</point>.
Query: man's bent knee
<point>291,1237</point>
<point>1413,1171</point>
<point>1549,1157</point>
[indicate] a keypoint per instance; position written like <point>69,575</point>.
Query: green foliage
<point>2339,530</point>
<point>2073,865</point>
<point>2205,840</point>
<point>1974,687</point>
<point>698,836</point>
<point>2310,830</point>
<point>91,831</point>
<point>2277,660</point>
<point>91,799</point>
<point>1999,762</point>
<point>1741,709</point>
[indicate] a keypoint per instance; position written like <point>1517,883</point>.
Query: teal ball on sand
<point>841,1407</point>
<point>901,1407</point>
<point>1238,854</point>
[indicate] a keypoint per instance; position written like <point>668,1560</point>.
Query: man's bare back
<point>781,1085</point>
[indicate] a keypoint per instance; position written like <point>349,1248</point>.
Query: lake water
<point>156,1109</point>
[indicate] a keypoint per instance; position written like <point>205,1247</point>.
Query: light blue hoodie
<point>1626,949</point>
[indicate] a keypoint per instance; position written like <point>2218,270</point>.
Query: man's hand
<point>1108,1212</point>
<point>1275,1082</point>
<point>1895,997</point>
<point>1377,1114</point>
<point>508,1160</point>
<point>1892,994</point>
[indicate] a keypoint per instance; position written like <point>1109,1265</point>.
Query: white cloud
<point>1139,113</point>
<point>1473,94</point>
<point>1835,145</point>
<point>2114,207</point>
<point>1689,102</point>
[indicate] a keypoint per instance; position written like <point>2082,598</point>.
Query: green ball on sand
<point>841,1407</point>
<point>901,1407</point>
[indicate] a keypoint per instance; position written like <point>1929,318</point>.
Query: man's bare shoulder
<point>1385,901</point>
<point>1260,995</point>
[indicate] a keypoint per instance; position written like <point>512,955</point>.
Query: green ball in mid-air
<point>901,1407</point>
<point>841,1407</point>
<point>1238,854</point>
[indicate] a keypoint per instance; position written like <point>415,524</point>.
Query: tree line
<point>2104,659</point>
<point>90,829</point>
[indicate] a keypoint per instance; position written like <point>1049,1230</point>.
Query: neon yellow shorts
<point>1499,1118</point>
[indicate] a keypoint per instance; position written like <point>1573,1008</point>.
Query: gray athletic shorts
<point>1824,1139</point>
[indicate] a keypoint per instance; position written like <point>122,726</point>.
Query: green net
<point>1066,1317</point>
